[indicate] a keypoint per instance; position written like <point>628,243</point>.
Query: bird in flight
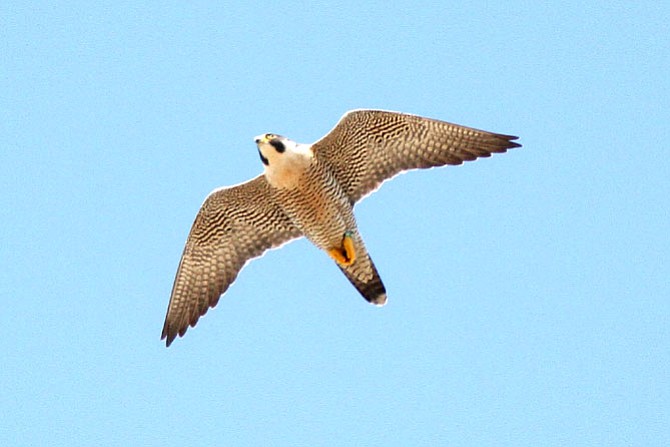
<point>310,190</point>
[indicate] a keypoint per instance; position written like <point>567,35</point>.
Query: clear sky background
<point>529,296</point>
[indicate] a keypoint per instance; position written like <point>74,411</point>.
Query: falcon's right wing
<point>234,225</point>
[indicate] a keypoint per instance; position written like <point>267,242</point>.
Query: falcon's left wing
<point>367,147</point>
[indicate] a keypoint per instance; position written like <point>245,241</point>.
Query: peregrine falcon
<point>310,190</point>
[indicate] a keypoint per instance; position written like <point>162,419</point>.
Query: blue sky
<point>529,301</point>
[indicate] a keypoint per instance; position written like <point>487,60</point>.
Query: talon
<point>345,255</point>
<point>348,244</point>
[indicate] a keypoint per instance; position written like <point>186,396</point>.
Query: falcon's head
<point>271,147</point>
<point>283,159</point>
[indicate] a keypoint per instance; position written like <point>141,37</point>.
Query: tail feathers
<point>363,275</point>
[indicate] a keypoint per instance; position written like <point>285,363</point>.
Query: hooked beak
<point>261,139</point>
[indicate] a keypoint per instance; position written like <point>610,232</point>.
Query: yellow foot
<point>346,254</point>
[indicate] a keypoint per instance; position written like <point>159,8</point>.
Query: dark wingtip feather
<point>511,144</point>
<point>168,335</point>
<point>501,143</point>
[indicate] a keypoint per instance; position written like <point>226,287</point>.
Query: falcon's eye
<point>278,145</point>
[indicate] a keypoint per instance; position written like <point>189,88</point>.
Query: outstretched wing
<point>234,225</point>
<point>367,147</point>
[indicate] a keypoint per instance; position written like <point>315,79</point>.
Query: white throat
<point>285,169</point>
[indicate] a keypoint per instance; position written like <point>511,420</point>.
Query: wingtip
<point>168,337</point>
<point>512,144</point>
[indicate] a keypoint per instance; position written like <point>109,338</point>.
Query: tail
<point>363,274</point>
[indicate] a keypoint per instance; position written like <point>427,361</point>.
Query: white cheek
<point>271,155</point>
